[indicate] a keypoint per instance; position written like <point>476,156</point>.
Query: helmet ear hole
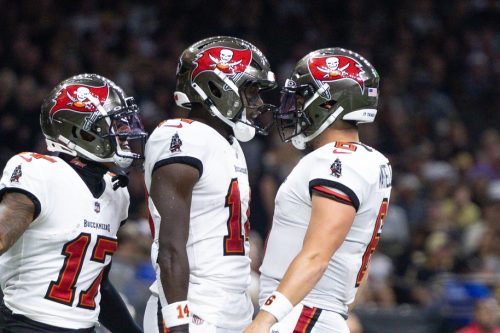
<point>328,105</point>
<point>214,89</point>
<point>86,136</point>
<point>81,134</point>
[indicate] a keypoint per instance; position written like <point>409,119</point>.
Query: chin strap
<point>300,140</point>
<point>213,109</point>
<point>242,132</point>
<point>67,146</point>
<point>241,129</point>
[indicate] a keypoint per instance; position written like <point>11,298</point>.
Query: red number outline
<point>373,242</point>
<point>346,145</point>
<point>36,156</point>
<point>105,246</point>
<point>63,289</point>
<point>234,241</point>
<point>182,312</point>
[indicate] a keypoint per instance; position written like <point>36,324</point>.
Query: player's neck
<point>201,114</point>
<point>335,134</point>
<point>90,172</point>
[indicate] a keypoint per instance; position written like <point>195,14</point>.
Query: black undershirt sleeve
<point>114,314</point>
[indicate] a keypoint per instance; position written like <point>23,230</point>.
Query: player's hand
<point>262,323</point>
<point>119,180</point>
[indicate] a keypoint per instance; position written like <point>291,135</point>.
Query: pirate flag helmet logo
<point>338,67</point>
<point>228,60</point>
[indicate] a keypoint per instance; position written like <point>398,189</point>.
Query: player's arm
<point>171,192</point>
<point>17,211</point>
<point>329,224</point>
<point>114,313</point>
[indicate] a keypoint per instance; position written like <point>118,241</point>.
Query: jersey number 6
<point>373,242</point>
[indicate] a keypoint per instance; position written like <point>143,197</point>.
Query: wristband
<point>176,314</point>
<point>278,305</point>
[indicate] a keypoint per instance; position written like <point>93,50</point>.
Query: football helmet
<point>88,115</point>
<point>326,85</point>
<point>217,72</point>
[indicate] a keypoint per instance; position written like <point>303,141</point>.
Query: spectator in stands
<point>486,317</point>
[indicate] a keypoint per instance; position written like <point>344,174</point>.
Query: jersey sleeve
<point>339,180</point>
<point>22,175</point>
<point>169,145</point>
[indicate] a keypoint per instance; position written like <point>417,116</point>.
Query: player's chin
<point>252,113</point>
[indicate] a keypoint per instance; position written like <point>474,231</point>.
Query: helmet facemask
<point>290,116</point>
<point>253,110</point>
<point>126,134</point>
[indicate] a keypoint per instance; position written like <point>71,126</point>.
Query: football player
<point>197,179</point>
<point>59,215</point>
<point>330,210</point>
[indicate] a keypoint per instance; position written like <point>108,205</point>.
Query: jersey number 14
<point>234,242</point>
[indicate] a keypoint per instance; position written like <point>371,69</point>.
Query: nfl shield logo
<point>97,207</point>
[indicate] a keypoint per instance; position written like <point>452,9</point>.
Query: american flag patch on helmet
<point>372,92</point>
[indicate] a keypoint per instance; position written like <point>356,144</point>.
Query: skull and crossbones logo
<point>223,63</point>
<point>332,67</point>
<point>83,98</point>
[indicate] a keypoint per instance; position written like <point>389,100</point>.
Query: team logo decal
<point>80,98</point>
<point>176,143</point>
<point>332,68</point>
<point>16,174</point>
<point>336,168</point>
<point>228,60</point>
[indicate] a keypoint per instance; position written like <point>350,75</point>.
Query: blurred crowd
<point>438,120</point>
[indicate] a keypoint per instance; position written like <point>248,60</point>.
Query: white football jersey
<point>52,273</point>
<point>351,173</point>
<point>217,246</point>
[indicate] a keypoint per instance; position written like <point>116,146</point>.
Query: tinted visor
<point>126,127</point>
<point>289,116</point>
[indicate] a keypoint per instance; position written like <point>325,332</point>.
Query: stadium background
<point>438,123</point>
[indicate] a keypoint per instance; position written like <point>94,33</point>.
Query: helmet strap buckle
<point>181,99</point>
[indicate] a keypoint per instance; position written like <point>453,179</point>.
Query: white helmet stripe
<point>323,126</point>
<point>318,93</point>
<point>213,108</point>
<point>362,115</point>
<point>227,81</point>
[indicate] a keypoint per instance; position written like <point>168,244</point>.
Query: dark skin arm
<point>16,214</point>
<point>171,192</point>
